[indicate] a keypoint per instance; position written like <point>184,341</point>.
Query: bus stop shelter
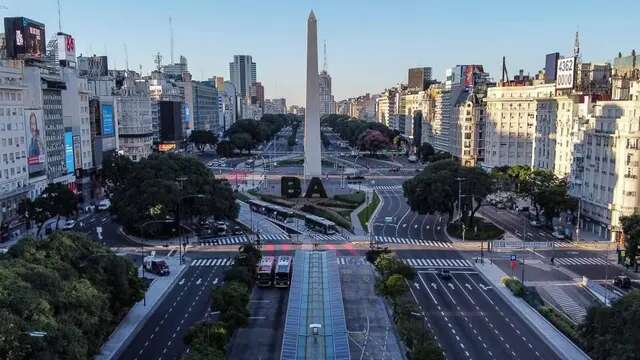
<point>315,326</point>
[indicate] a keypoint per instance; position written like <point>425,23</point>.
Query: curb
<point>143,321</point>
<point>540,333</point>
<point>375,212</point>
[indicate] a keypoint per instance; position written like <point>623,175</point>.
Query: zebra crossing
<point>562,244</point>
<point>566,303</point>
<point>351,260</point>
<point>389,239</point>
<point>438,263</point>
<point>213,262</point>
<point>569,261</point>
<point>388,187</point>
<point>322,237</point>
<point>240,239</point>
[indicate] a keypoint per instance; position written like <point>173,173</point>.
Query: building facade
<point>242,73</point>
<point>327,102</point>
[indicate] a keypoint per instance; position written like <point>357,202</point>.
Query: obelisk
<point>312,148</point>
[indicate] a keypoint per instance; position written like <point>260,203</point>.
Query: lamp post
<point>181,242</point>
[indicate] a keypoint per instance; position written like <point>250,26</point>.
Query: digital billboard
<point>77,151</point>
<point>25,38</point>
<point>107,120</point>
<point>68,151</point>
<point>565,76</point>
<point>35,139</point>
<point>66,48</point>
<point>186,116</point>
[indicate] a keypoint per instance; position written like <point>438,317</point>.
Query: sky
<point>370,43</point>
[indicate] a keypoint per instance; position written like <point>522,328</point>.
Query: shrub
<point>372,255</point>
<point>514,285</point>
<point>356,198</point>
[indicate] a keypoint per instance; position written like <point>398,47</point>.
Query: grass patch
<point>482,230</point>
<point>329,215</point>
<point>355,198</point>
<point>367,212</point>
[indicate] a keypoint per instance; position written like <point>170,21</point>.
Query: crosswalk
<point>396,240</point>
<point>566,303</point>
<point>227,261</point>
<point>322,237</point>
<point>569,261</point>
<point>559,244</point>
<point>240,239</point>
<point>438,263</point>
<point>388,187</point>
<point>351,260</point>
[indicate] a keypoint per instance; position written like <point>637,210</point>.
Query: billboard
<point>107,120</point>
<point>550,67</point>
<point>35,139</point>
<point>77,151</point>
<point>66,48</point>
<point>93,66</point>
<point>566,74</point>
<point>171,121</point>
<point>68,151</point>
<point>25,38</point>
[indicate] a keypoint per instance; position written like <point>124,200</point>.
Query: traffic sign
<point>513,257</point>
<point>388,219</point>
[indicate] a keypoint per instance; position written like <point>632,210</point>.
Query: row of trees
<point>153,188</point>
<point>547,192</point>
<point>435,189</point>
<point>70,288</point>
<point>208,340</point>
<point>246,134</point>
<point>367,136</point>
<point>426,153</point>
<point>202,138</point>
<point>393,284</point>
<point>55,201</point>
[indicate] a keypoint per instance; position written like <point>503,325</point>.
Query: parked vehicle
<point>558,235</point>
<point>412,158</point>
<point>237,230</point>
<point>622,282</point>
<point>156,266</point>
<point>220,228</point>
<point>104,205</point>
<point>69,224</point>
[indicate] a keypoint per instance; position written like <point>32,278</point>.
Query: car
<point>444,274</point>
<point>500,205</point>
<point>104,205</point>
<point>558,235</point>
<point>535,223</point>
<point>622,282</point>
<point>394,169</point>
<point>69,224</point>
<point>237,230</point>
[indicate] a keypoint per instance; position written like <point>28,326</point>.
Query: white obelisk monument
<point>312,148</point>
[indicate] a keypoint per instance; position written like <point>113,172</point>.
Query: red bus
<point>284,270</point>
<point>266,270</point>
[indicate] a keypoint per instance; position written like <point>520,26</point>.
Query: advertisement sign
<point>66,48</point>
<point>107,120</point>
<point>77,151</point>
<point>68,151</point>
<point>186,118</point>
<point>566,74</point>
<point>35,140</point>
<point>25,38</point>
<point>164,147</point>
<point>93,66</point>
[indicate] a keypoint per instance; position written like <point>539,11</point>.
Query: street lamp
<point>178,218</point>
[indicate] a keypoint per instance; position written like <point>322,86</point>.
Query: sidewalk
<point>564,347</point>
<point>138,314</point>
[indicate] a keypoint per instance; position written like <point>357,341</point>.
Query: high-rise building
<point>419,78</point>
<point>133,113</point>
<point>175,71</point>
<point>275,106</point>
<point>242,72</point>
<point>229,106</point>
<point>21,140</point>
<point>327,103</point>
<point>256,95</point>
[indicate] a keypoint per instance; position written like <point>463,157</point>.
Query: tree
<point>232,295</point>
<point>225,148</point>
<point>426,151</point>
<point>631,230</point>
<point>55,201</point>
<point>372,141</point>
<point>202,138</point>
<point>612,332</point>
<point>393,287</point>
<point>243,141</point>
<point>547,192</point>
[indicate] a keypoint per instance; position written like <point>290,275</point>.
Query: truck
<point>156,266</point>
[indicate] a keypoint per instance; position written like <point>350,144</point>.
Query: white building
<point>14,148</point>
<point>242,72</point>
<point>229,106</point>
<point>133,113</point>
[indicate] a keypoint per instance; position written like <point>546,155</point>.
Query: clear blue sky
<point>370,43</point>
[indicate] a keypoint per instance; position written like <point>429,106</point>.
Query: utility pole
<point>460,180</point>
<point>578,222</point>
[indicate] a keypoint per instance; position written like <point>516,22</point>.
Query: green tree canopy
<point>372,141</point>
<point>631,229</point>
<point>225,148</point>
<point>150,190</point>
<point>203,138</point>
<point>426,151</point>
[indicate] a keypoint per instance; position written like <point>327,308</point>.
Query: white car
<point>69,224</point>
<point>558,235</point>
<point>104,205</point>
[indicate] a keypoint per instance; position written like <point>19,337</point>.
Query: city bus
<point>284,270</point>
<point>319,224</point>
<point>266,271</point>
<point>273,211</point>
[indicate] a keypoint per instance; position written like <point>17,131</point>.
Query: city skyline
<point>354,46</point>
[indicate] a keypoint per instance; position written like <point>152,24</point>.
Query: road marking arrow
<point>99,231</point>
<point>181,282</point>
<point>428,227</point>
<point>484,287</point>
<point>215,281</point>
<point>433,285</point>
<point>198,282</point>
<point>416,285</point>
<point>468,286</point>
<point>404,225</point>
<point>415,226</point>
<point>451,286</point>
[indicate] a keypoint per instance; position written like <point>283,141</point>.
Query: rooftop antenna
<point>140,69</point>
<point>576,45</point>
<point>158,61</point>
<point>324,64</point>
<point>59,18</point>
<point>126,57</point>
<point>171,37</point>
